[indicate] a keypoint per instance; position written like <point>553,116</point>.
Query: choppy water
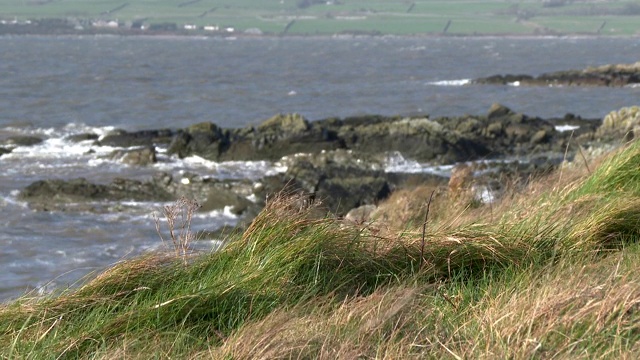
<point>53,87</point>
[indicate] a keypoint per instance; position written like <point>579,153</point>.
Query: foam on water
<point>66,130</point>
<point>396,163</point>
<point>222,170</point>
<point>563,128</point>
<point>458,82</point>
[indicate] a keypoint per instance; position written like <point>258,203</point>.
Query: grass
<point>385,16</point>
<point>549,271</point>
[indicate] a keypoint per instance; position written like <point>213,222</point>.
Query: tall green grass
<point>548,272</point>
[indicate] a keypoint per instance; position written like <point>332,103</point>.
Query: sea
<point>52,87</point>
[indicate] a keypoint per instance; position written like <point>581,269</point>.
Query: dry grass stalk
<point>524,321</point>
<point>424,229</point>
<point>178,216</point>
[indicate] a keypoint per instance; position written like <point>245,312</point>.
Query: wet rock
<point>194,186</point>
<point>4,151</point>
<point>438,141</point>
<point>276,137</point>
<point>503,132</point>
<point>121,138</point>
<point>204,139</point>
<point>282,135</point>
<point>138,157</point>
<point>421,139</point>
<point>56,194</point>
<point>71,194</point>
<point>341,180</point>
<point>23,140</point>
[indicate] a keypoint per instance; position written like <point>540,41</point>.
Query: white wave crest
<point>563,128</point>
<point>221,170</point>
<point>459,82</point>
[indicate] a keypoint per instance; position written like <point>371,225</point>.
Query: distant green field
<point>330,17</point>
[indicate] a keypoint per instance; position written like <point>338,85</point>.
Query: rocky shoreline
<point>339,161</point>
<point>616,75</point>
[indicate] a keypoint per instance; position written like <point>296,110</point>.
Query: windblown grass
<point>548,272</point>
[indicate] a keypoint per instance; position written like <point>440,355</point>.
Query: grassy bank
<point>549,271</point>
<point>461,17</point>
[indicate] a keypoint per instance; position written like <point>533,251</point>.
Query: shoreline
<point>336,36</point>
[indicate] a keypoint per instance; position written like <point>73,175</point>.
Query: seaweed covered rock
<point>622,123</point>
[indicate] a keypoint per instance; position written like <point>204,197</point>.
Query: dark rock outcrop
<point>341,180</point>
<point>57,194</point>
<point>439,141</point>
<point>606,75</point>
<point>436,140</point>
<point>121,138</point>
<point>276,137</point>
<point>205,139</point>
<point>4,151</point>
<point>80,194</point>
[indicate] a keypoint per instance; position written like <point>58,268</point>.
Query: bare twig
<point>566,151</point>
<point>424,229</point>
<point>184,209</point>
<point>586,164</point>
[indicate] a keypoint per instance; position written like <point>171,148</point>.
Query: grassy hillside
<point>549,271</point>
<point>353,16</point>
